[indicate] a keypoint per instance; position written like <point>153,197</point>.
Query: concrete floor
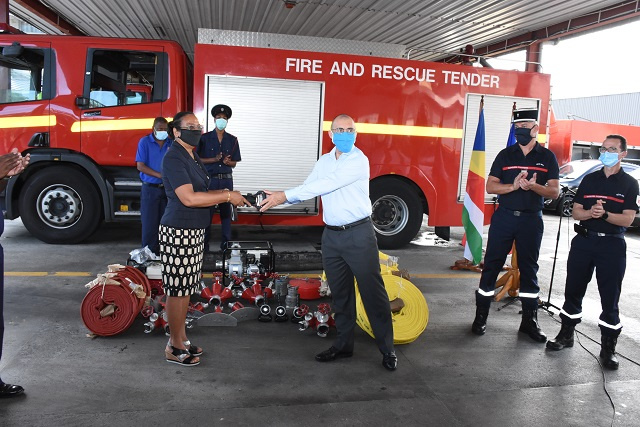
<point>265,373</point>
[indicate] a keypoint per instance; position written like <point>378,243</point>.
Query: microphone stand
<point>547,304</point>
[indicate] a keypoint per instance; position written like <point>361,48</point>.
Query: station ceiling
<point>432,30</point>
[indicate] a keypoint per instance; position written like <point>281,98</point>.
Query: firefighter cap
<point>525,115</point>
<point>221,109</point>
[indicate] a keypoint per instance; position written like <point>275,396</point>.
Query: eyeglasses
<point>343,130</point>
<point>608,150</point>
<point>192,127</point>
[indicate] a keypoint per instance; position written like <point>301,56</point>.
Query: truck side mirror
<point>13,51</point>
<point>82,102</point>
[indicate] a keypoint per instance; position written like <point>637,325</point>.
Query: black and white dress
<point>181,232</point>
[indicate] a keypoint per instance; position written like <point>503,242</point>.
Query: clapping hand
<point>518,182</point>
<point>597,210</point>
<point>527,184</point>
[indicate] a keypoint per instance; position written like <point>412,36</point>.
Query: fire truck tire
<point>60,205</point>
<point>397,212</point>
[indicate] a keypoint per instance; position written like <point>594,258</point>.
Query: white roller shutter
<point>497,121</point>
<point>279,128</point>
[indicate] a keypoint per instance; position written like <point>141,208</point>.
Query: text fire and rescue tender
<point>356,69</point>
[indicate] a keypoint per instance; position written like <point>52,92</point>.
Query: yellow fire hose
<point>410,321</point>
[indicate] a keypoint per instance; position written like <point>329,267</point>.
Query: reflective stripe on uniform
<point>571,316</point>
<point>524,295</point>
<point>606,325</point>
<point>485,293</point>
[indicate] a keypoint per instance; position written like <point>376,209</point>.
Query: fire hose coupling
<point>235,306</point>
<point>265,313</point>
<point>281,311</point>
<point>306,322</point>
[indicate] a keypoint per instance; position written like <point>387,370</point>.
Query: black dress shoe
<point>390,361</point>
<point>332,354</point>
<point>10,390</point>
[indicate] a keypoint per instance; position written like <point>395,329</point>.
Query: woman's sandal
<point>180,356</point>
<point>194,350</point>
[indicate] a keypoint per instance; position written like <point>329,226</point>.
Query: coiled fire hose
<point>411,320</point>
<point>114,300</point>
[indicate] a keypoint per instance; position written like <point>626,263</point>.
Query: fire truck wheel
<point>60,205</point>
<point>397,212</point>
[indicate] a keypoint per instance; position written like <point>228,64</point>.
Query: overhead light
<point>160,32</point>
<point>289,4</point>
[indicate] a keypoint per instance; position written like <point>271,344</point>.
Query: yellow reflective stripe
<point>542,138</point>
<point>403,130</point>
<point>112,124</point>
<point>27,121</point>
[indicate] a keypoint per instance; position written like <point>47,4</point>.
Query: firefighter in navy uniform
<point>605,204</point>
<point>219,151</point>
<point>522,175</point>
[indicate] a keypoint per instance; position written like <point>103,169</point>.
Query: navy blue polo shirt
<point>151,154</point>
<point>510,162</point>
<point>618,192</point>
<point>178,168</point>
<point>210,147</point>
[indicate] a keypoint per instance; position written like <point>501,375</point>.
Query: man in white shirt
<point>349,246</point>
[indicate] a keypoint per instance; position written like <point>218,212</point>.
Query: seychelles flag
<point>473,211</point>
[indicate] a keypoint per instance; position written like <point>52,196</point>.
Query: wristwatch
<point>605,215</point>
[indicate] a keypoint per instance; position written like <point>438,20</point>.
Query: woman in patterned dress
<point>182,228</point>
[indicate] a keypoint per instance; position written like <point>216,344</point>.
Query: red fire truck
<point>80,105</point>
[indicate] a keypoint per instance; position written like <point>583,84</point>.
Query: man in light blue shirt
<point>349,246</point>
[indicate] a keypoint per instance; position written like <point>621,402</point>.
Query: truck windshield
<point>121,77</point>
<point>21,76</point>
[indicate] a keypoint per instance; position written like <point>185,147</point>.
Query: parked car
<point>571,175</point>
<point>636,174</point>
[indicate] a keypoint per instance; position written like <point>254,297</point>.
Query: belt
<point>153,185</point>
<point>585,232</point>
<point>523,213</point>
<point>596,234</point>
<point>222,175</point>
<point>347,226</point>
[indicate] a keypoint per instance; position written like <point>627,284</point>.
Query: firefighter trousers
<point>526,229</point>
<point>608,256</point>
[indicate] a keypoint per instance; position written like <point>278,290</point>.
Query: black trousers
<point>345,254</point>
<point>153,201</point>
<point>608,256</point>
<point>225,213</point>
<point>526,230</point>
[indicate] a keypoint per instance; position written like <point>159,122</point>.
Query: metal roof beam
<point>52,18</point>
<point>531,40</point>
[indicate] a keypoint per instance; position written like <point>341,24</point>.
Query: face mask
<point>609,159</point>
<point>344,141</point>
<point>221,124</point>
<point>160,135</point>
<point>191,137</point>
<point>523,136</point>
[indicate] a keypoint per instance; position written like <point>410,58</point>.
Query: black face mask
<point>191,137</point>
<point>523,136</point>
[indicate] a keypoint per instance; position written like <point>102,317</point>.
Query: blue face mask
<point>221,124</point>
<point>161,135</point>
<point>523,136</point>
<point>344,141</point>
<point>609,159</point>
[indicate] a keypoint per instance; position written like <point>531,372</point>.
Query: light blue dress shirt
<point>342,183</point>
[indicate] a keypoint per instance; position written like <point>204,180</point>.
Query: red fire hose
<point>307,288</point>
<point>96,313</point>
<point>98,298</point>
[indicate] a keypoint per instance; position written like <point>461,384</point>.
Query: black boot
<point>529,325</point>
<point>608,352</point>
<point>479,326</point>
<point>564,338</point>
